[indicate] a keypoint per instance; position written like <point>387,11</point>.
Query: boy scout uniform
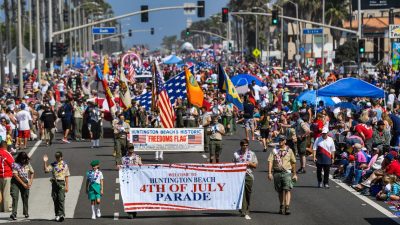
<point>205,120</point>
<point>216,140</point>
<point>282,160</point>
<point>59,171</point>
<point>121,128</point>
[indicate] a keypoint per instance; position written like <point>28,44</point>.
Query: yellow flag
<point>195,95</point>
<point>106,68</point>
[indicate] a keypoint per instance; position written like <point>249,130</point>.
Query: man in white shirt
<point>324,155</point>
<point>23,118</point>
<point>256,90</point>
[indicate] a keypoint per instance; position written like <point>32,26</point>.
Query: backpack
<point>367,156</point>
<point>61,112</point>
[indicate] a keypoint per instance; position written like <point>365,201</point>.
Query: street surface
<point>310,205</point>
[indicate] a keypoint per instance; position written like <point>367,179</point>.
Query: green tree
<point>346,52</point>
<point>168,42</point>
<point>335,15</point>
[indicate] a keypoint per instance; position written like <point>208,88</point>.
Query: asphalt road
<point>310,205</point>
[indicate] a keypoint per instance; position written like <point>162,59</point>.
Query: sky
<point>168,22</point>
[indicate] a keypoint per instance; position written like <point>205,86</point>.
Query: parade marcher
<point>21,183</point>
<point>248,109</point>
<point>59,183</point>
<point>78,119</point>
<point>179,111</point>
<point>6,174</point>
<point>65,114</point>
<point>216,131</point>
<point>245,155</point>
<point>282,169</point>
<point>95,187</point>
<point>48,119</point>
<point>302,132</point>
<point>265,127</point>
<point>228,121</point>
<point>24,119</point>
<point>121,129</point>
<point>205,121</point>
<point>94,125</point>
<point>324,155</point>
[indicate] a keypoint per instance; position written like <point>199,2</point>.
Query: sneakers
<point>319,185</point>
<point>247,217</point>
<point>61,219</point>
<point>65,141</point>
<point>93,216</point>
<point>326,186</point>
<point>281,210</point>
<point>57,219</point>
<point>98,213</point>
<point>287,210</point>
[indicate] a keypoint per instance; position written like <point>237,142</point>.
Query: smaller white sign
<point>394,31</point>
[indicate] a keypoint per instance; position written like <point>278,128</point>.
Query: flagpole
<point>153,87</point>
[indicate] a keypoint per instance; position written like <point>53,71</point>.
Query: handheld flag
<point>106,88</point>
<point>125,94</point>
<point>225,85</point>
<point>194,93</point>
<point>167,114</point>
<point>106,67</point>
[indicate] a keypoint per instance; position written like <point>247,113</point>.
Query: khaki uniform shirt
<point>120,129</point>
<point>282,159</point>
<point>248,156</point>
<point>215,135</point>
<point>23,171</point>
<point>131,160</point>
<point>59,170</point>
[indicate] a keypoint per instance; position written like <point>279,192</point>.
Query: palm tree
<point>335,15</point>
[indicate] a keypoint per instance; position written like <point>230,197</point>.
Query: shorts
<point>264,133</point>
<point>24,133</point>
<point>94,192</point>
<point>66,124</point>
<point>249,123</point>
<point>302,147</point>
<point>283,181</point>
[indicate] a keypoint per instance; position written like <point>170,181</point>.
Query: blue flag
<point>225,85</point>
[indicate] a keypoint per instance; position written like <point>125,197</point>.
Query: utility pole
<point>359,35</point>
<point>50,37</point>
<point>70,33</point>
<point>323,37</point>
<point>30,31</point>
<point>19,50</point>
<point>2,74</point>
<point>38,30</point>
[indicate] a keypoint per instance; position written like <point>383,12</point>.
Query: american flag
<point>195,139</point>
<point>139,138</point>
<point>176,88</point>
<point>131,73</point>
<point>167,113</point>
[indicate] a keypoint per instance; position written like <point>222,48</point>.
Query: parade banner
<point>182,187</point>
<point>164,139</point>
<point>395,56</point>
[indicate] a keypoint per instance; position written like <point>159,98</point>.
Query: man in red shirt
<point>365,131</point>
<point>6,161</point>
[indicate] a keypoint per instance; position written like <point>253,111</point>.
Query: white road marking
<point>116,196</point>
<point>34,148</point>
<point>116,215</point>
<point>41,205</point>
<point>204,156</point>
<point>117,180</point>
<point>370,202</point>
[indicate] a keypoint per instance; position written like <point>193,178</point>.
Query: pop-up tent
<point>172,59</point>
<point>351,87</point>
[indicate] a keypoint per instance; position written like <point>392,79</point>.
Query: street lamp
<point>254,8</point>
<point>297,24</point>
<point>242,35</point>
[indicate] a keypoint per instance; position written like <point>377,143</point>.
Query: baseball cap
<point>280,138</point>
<point>325,130</point>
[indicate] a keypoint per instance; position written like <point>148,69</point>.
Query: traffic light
<point>130,33</point>
<point>230,46</point>
<point>144,15</point>
<point>201,9</point>
<point>225,12</point>
<point>50,50</point>
<point>65,15</point>
<point>361,46</point>
<point>152,31</point>
<point>65,49</point>
<point>187,31</point>
<point>275,18</point>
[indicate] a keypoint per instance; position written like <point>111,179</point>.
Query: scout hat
<point>95,163</point>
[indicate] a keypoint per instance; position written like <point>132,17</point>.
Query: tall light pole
<point>19,50</point>
<point>38,45</point>
<point>241,35</point>
<point>257,28</point>
<point>323,37</point>
<point>298,27</point>
<point>30,30</point>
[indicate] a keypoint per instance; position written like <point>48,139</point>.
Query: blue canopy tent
<point>172,59</point>
<point>245,79</point>
<point>75,60</point>
<point>311,98</point>
<point>351,87</point>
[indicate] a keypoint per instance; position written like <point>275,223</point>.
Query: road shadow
<point>263,212</point>
<point>380,221</point>
<point>308,186</point>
